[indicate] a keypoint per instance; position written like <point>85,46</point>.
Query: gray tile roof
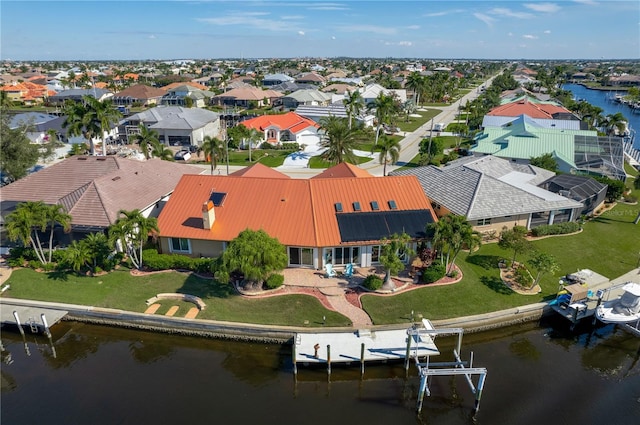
<point>488,187</point>
<point>174,117</point>
<point>93,189</point>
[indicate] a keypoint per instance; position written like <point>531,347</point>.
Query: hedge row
<point>556,229</point>
<point>433,273</point>
<point>155,261</point>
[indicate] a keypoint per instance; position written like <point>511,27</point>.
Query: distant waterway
<point>603,99</point>
<point>537,373</point>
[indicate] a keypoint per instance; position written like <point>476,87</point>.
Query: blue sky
<point>163,29</point>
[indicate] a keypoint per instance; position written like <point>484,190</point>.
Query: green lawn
<point>609,245</point>
<point>121,290</point>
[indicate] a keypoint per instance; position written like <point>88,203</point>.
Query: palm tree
<point>56,214</point>
<point>160,150</point>
<point>616,124</point>
<point>146,138</point>
<point>416,83</point>
<point>213,149</point>
<point>131,231</point>
<point>339,140</point>
<point>74,121</point>
<point>77,255</point>
<point>389,151</point>
<point>450,234</point>
<point>103,115</point>
<point>98,249</point>
<point>23,224</point>
<point>354,103</point>
<point>384,107</point>
<point>253,135</point>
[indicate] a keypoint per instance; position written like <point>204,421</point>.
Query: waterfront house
<point>139,94</point>
<point>338,217</point>
<point>93,189</point>
<point>493,192</point>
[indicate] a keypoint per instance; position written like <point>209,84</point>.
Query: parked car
<point>182,155</point>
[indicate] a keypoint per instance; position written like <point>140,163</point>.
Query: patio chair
<point>348,270</point>
<point>329,272</point>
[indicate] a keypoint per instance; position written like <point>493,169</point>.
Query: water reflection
<point>534,369</point>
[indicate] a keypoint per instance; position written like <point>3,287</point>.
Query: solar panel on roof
<point>373,226</point>
<point>217,198</point>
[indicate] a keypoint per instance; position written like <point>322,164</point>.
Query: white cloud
<point>547,31</point>
<point>510,34</point>
<point>543,7</point>
<point>368,28</point>
<point>152,36</point>
<point>413,27</point>
<point>292,17</point>
<point>485,18</point>
<point>587,2</point>
<point>529,36</point>
<point>502,11</point>
<point>443,13</point>
<point>405,43</point>
<point>300,32</point>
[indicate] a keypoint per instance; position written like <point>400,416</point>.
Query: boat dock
<point>584,298</point>
<point>36,319</point>
<point>362,346</point>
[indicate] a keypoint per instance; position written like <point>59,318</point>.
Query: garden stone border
<point>180,297</point>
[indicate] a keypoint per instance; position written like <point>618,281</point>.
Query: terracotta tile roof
<point>298,212</point>
<point>261,171</point>
<point>342,170</point>
<point>250,93</point>
<point>93,189</point>
<point>141,91</point>
<point>289,121</point>
<point>27,90</point>
<point>527,107</point>
<point>184,83</point>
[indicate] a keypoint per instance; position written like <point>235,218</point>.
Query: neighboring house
<point>337,88</point>
<point>311,78</point>
<point>177,96</point>
<point>589,192</point>
<point>289,127</point>
<point>308,97</point>
<point>78,94</point>
<point>558,124</point>
<point>139,94</point>
<point>316,113</point>
<point>175,125</point>
<point>371,91</point>
<point>275,79</point>
<point>575,151</point>
<point>532,107</point>
<point>246,96</point>
<point>172,86</point>
<point>94,189</point>
<point>492,193</point>
<point>325,219</point>
<point>27,92</point>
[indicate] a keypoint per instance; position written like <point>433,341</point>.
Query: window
<point>484,222</point>
<point>356,206</point>
<point>374,205</point>
<point>392,205</point>
<point>300,256</point>
<point>338,207</point>
<point>346,255</point>
<point>180,245</point>
<point>375,254</point>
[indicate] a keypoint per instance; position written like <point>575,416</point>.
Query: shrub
<point>556,229</point>
<point>274,281</point>
<point>433,273</point>
<point>373,282</point>
<point>523,277</point>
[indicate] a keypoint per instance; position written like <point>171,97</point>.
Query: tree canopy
<point>546,161</point>
<point>255,254</point>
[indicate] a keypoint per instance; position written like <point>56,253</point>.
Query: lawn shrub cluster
<point>156,261</point>
<point>433,273</point>
<point>274,281</point>
<point>523,277</point>
<point>556,229</point>
<point>286,146</point>
<point>373,282</point>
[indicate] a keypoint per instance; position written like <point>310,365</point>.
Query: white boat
<point>625,309</point>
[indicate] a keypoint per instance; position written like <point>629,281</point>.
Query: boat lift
<point>427,368</point>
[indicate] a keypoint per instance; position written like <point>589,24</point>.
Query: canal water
<point>603,99</point>
<point>537,373</point>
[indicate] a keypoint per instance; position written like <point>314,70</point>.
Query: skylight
<point>356,206</point>
<point>392,204</point>
<point>217,198</point>
<point>375,206</point>
<point>338,206</point>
